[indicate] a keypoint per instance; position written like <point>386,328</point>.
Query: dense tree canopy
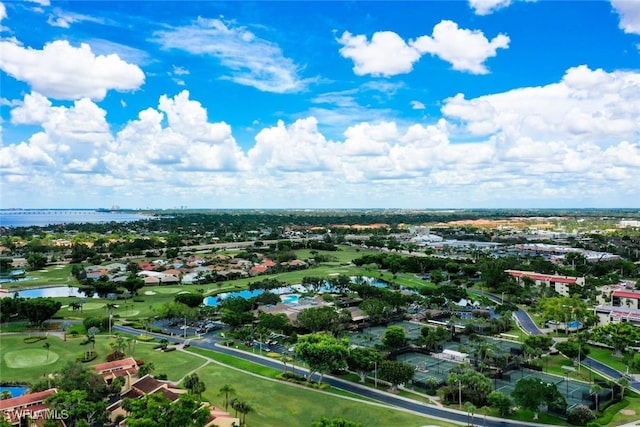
<point>155,410</point>
<point>395,373</point>
<point>531,393</point>
<point>322,353</point>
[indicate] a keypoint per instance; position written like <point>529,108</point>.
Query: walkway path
<point>529,326</point>
<point>386,399</point>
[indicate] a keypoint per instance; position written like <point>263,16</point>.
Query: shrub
<point>168,349</point>
<point>580,415</point>
<point>138,299</point>
<point>116,355</point>
<point>606,418</point>
<point>31,340</point>
<point>162,377</point>
<point>87,356</point>
<point>94,322</point>
<point>145,338</point>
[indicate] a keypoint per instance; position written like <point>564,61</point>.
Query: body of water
<point>287,299</point>
<point>45,217</point>
<point>15,391</point>
<point>55,291</point>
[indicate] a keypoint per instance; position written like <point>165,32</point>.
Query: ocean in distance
<point>44,217</point>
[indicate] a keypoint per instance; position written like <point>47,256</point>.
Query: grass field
<point>555,364</point>
<point>51,276</point>
<point>28,362</point>
<point>279,404</point>
<point>606,356</point>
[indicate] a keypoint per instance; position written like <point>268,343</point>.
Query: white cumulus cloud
<point>629,11</point>
<point>586,103</point>
<point>466,50</point>
<point>387,54</point>
<point>486,7</point>
<point>81,73</point>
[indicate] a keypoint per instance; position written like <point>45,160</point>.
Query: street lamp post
<point>375,374</point>
<point>460,394</point>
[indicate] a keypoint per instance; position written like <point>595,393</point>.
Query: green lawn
<point>628,414</point>
<point>12,348</point>
<point>555,364</point>
<point>55,275</point>
<point>607,357</point>
<point>28,362</point>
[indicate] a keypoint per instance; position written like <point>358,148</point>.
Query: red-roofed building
<point>220,418</point>
<point>258,269</point>
<point>141,387</point>
<point>560,284</point>
<point>146,266</point>
<point>127,368</point>
<point>30,407</point>
<point>627,298</point>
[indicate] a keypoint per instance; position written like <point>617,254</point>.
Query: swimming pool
<point>291,299</point>
<point>14,390</point>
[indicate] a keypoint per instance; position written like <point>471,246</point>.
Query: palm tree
<point>471,409</point>
<point>244,408</point>
<point>596,389</point>
<point>623,383</point>
<point>119,345</point>
<point>5,394</point>
<point>47,346</point>
<point>145,369</point>
<point>126,405</point>
<point>235,403</point>
<point>65,327</point>
<point>198,388</point>
<point>226,390</point>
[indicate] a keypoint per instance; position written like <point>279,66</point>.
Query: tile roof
<point>542,277</point>
<point>115,365</point>
<point>627,294</point>
<point>26,399</point>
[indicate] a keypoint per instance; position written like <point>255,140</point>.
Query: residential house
<point>220,418</point>
<point>19,410</point>
<point>142,387</point>
<point>127,368</point>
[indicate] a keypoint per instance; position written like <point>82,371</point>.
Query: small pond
<point>55,291</point>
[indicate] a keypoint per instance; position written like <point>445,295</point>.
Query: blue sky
<point>301,104</point>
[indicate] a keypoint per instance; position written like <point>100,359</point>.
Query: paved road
<point>386,398</point>
<point>610,372</point>
<point>521,316</point>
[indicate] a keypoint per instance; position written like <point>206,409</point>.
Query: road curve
<point>521,316</point>
<point>425,409</point>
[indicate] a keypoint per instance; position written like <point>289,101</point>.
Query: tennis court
<point>372,336</point>
<point>575,392</point>
<point>427,366</point>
